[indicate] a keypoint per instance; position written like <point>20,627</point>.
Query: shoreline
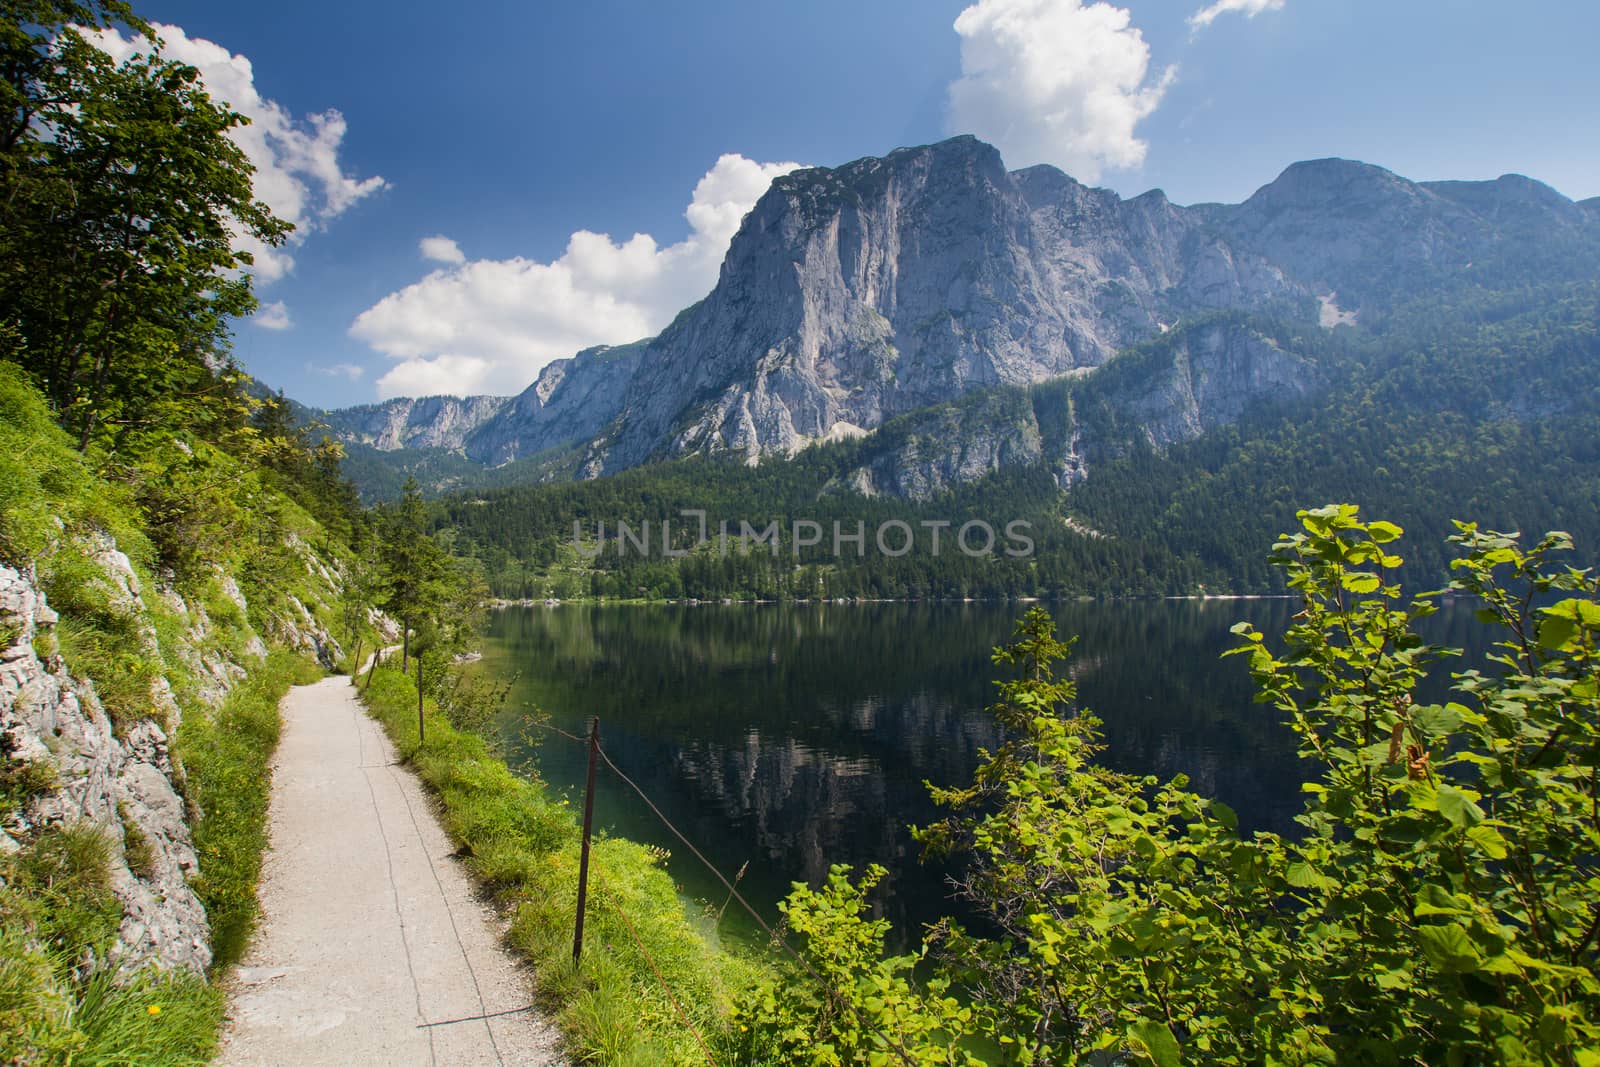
<point>502,604</point>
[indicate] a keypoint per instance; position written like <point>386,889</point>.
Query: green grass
<point>60,1004</point>
<point>523,845</point>
<point>43,478</point>
<point>225,754</point>
<point>137,851</point>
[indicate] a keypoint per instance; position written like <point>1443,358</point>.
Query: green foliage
<point>22,780</point>
<point>226,755</point>
<point>472,701</point>
<point>44,479</point>
<point>1441,904</point>
<point>34,1010</point>
<point>59,888</point>
<point>860,1007</point>
<point>120,1029</point>
<point>121,191</point>
<point>523,844</point>
<point>60,1003</point>
<point>416,571</point>
<point>308,465</point>
<point>1462,837</point>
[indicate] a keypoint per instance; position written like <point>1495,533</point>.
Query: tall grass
<point>226,754</point>
<point>47,487</point>
<point>523,845</point>
<point>61,1005</point>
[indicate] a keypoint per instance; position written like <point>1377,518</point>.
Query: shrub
<point>1440,905</point>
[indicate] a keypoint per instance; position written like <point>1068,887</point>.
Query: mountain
<point>855,296</point>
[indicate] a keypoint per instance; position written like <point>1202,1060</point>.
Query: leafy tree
<point>122,198</point>
<point>416,570</point>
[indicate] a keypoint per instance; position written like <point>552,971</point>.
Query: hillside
<point>142,651</point>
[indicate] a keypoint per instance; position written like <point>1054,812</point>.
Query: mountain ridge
<point>856,294</point>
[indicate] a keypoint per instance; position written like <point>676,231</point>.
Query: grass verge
<point>523,846</point>
<point>225,755</point>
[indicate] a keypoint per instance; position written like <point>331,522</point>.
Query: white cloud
<point>441,249</point>
<point>492,325</point>
<point>349,371</point>
<point>1055,81</point>
<point>273,316</point>
<point>1249,8</point>
<point>298,172</point>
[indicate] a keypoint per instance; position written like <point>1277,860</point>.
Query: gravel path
<point>373,948</point>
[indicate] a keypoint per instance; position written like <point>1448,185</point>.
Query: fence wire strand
<point>622,913</point>
<point>894,1042</point>
<point>558,730</point>
<point>733,891</point>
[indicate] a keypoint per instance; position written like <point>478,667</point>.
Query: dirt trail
<point>373,947</point>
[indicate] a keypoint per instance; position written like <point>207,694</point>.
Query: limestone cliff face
<point>856,294</point>
<point>428,422</point>
<point>853,295</point>
<point>126,780</point>
<point>1173,391</point>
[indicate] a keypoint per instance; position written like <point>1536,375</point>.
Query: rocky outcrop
<point>951,445</point>
<point>123,785</point>
<point>854,295</point>
<point>426,422</point>
<point>1205,378</point>
<point>124,778</point>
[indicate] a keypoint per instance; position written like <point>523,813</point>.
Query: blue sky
<point>509,127</point>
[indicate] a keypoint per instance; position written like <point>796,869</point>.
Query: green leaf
<point>1458,807</point>
<point>1489,840</point>
<point>1449,948</point>
<point>1154,1040</point>
<point>1384,532</point>
<point>1360,582</point>
<point>1300,873</point>
<point>1437,900</point>
<point>1437,720</point>
<point>1556,631</point>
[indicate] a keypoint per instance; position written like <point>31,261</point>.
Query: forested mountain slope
<point>1492,414</point>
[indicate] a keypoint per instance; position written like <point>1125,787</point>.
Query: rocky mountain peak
<point>855,294</point>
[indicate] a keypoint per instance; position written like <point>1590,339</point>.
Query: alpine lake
<point>784,738</point>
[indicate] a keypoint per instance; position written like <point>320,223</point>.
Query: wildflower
<point>154,1009</point>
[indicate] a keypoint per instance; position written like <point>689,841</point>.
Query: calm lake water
<point>792,737</point>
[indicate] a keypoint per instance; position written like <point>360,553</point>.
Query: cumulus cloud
<point>441,249</point>
<point>298,171</point>
<point>1055,81</point>
<point>1249,8</point>
<point>492,325</point>
<point>273,316</point>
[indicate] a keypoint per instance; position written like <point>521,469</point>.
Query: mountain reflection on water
<point>793,737</point>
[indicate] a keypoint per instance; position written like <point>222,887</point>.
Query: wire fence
<point>593,742</point>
